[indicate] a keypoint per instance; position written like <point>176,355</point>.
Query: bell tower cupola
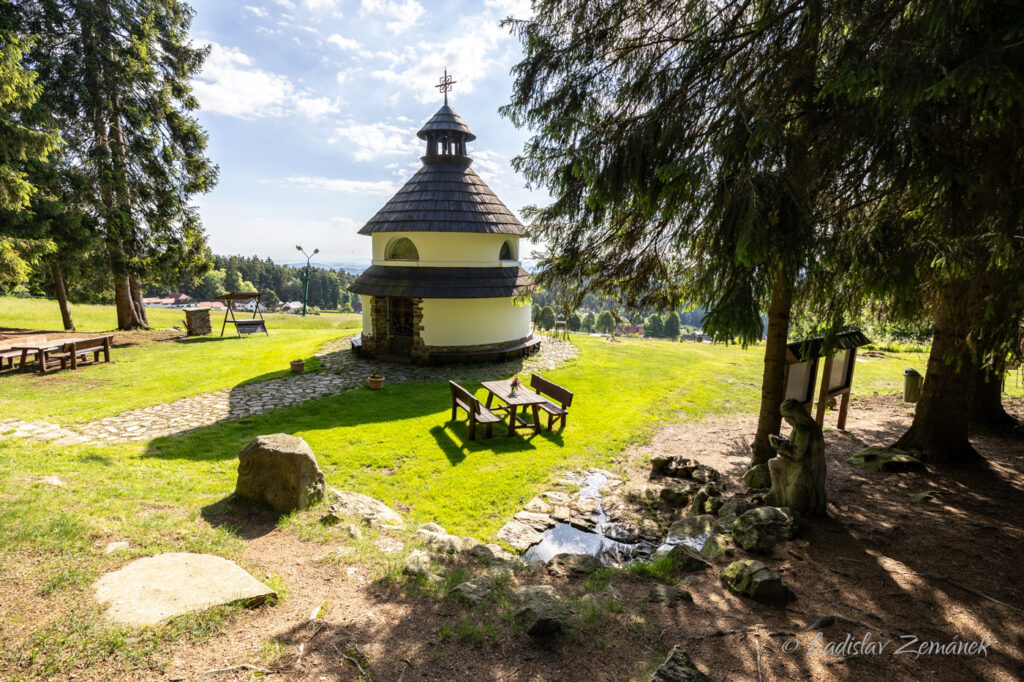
<point>445,133</point>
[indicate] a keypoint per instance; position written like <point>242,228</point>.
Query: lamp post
<point>305,287</point>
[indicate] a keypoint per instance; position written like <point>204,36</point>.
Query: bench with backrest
<point>8,356</point>
<point>80,348</point>
<point>556,393</point>
<point>477,413</point>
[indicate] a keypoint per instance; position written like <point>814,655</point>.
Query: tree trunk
<point>773,388</point>
<point>139,307</point>
<point>987,413</point>
<point>941,423</point>
<point>62,296</point>
<point>128,316</point>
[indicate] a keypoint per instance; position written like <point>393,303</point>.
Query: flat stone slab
<point>153,589</point>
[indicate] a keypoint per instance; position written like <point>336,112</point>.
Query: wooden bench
<point>251,326</point>
<point>9,356</point>
<point>555,392</point>
<point>80,348</point>
<point>477,413</point>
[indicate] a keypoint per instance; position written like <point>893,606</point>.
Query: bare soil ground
<point>884,566</point>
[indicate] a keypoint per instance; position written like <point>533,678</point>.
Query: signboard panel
<point>800,384</point>
<point>839,377</point>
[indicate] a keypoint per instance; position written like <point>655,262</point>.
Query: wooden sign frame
<point>810,351</point>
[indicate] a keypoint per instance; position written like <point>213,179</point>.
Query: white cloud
<point>345,43</point>
<point>232,85</point>
<point>402,13</point>
<point>374,140</point>
<point>470,56</point>
<point>382,187</point>
<point>520,9</point>
<point>258,11</point>
<point>287,4</point>
<point>317,5</point>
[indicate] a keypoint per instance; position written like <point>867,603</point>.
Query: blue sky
<point>312,108</point>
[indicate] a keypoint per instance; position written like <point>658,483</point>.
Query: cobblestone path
<point>342,370</point>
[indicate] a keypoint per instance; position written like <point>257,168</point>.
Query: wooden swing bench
<point>243,327</point>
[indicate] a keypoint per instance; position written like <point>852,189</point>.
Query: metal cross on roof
<point>445,85</point>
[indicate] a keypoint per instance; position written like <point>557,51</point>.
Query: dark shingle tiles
<point>445,196</point>
<point>413,282</point>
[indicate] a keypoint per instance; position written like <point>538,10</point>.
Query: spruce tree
<point>671,326</point>
<point>696,151</point>
<point>116,82</point>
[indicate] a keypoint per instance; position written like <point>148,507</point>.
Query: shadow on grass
<point>248,520</point>
<point>360,416</point>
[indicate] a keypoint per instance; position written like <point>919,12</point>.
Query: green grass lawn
<point>36,313</point>
<point>397,444</point>
<point>172,493</point>
<point>149,373</point>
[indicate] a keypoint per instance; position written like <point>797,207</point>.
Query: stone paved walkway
<point>342,370</point>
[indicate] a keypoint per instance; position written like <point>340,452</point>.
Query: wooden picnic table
<point>41,349</point>
<point>502,390</point>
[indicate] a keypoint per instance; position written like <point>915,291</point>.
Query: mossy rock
<point>877,458</point>
<point>761,528</point>
<point>686,559</point>
<point>717,545</point>
<point>755,580</point>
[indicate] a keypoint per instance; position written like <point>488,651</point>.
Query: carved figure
<point>798,473</point>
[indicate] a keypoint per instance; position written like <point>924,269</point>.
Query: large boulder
<point>280,470</point>
<point>876,458</point>
<point>755,580</point>
<point>372,512</point>
<point>760,529</point>
<point>679,668</point>
<point>542,614</point>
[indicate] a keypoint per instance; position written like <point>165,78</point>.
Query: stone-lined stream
<point>614,544</point>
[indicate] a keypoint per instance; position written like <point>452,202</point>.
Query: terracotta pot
<point>376,384</point>
<point>298,366</point>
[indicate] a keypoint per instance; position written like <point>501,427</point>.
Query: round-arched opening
<point>401,249</point>
<point>508,252</point>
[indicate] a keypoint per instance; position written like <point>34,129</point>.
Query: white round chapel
<point>445,283</point>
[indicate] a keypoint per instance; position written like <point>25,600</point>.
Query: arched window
<point>402,249</point>
<point>507,251</point>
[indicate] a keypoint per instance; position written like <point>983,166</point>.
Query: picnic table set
<point>66,350</point>
<point>542,395</point>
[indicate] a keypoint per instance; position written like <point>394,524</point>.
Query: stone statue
<point>798,473</point>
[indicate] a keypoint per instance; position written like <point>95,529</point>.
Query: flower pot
<point>298,366</point>
<point>376,383</point>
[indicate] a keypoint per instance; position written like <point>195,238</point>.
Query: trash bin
<point>912,380</point>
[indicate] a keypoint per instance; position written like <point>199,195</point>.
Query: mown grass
<point>151,373</point>
<point>396,444</point>
<point>43,313</point>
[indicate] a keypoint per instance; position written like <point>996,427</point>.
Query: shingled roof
<point>445,195</point>
<point>432,282</point>
<point>446,120</point>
